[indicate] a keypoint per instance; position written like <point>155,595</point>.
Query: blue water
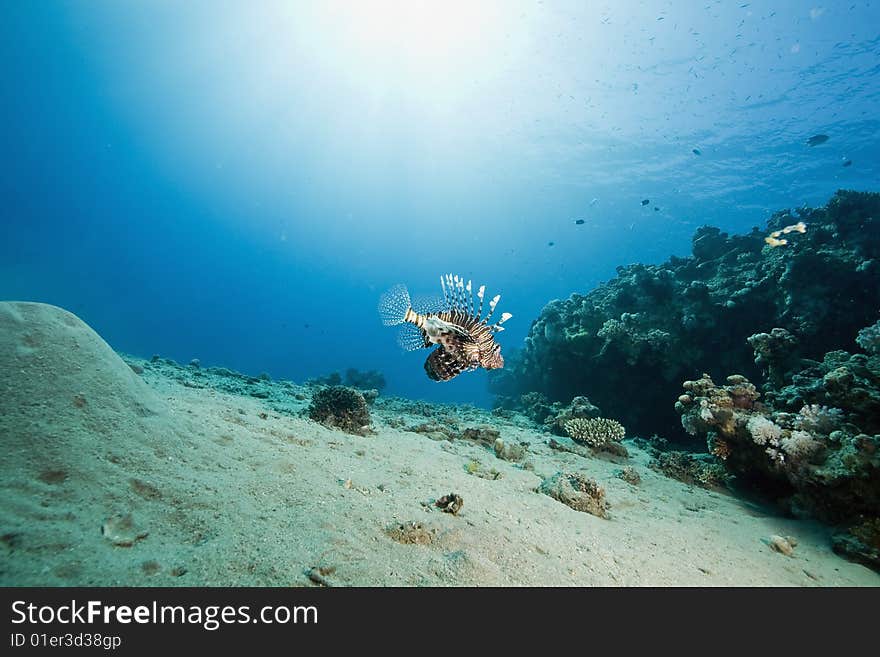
<point>238,182</point>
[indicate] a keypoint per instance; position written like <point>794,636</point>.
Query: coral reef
<point>580,408</point>
<point>816,458</point>
<point>341,407</point>
<point>354,378</point>
<point>773,352</point>
<point>625,342</point>
<point>811,441</point>
<point>860,543</point>
<point>869,339</point>
<point>850,382</point>
<point>332,379</point>
<point>551,417</point>
<point>691,469</point>
<point>594,432</point>
<point>578,492</point>
<point>369,380</point>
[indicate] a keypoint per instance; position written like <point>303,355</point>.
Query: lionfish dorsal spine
<point>492,304</point>
<point>449,290</point>
<point>459,301</point>
<point>480,293</point>
<point>470,298</point>
<point>497,325</point>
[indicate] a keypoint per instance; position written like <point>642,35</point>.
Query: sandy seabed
<point>131,472</point>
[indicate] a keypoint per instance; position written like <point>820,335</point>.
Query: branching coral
<point>818,419</point>
<point>764,431</point>
<point>800,444</point>
<point>595,431</point>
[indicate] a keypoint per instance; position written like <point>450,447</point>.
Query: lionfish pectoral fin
<point>394,305</point>
<point>410,338</point>
<point>443,365</point>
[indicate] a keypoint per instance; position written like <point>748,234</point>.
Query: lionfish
<point>464,339</point>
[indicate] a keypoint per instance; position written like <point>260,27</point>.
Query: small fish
<point>465,339</point>
<point>656,209</point>
<point>815,140</point>
<point>799,227</point>
<point>646,201</point>
<point>847,163</point>
<point>579,222</point>
<point>551,243</point>
<point>696,151</point>
<point>773,242</point>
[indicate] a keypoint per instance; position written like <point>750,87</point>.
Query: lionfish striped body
<point>465,340</point>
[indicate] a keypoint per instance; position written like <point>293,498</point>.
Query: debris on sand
<point>474,467</point>
<point>783,544</point>
<point>578,492</point>
<point>507,452</point>
<point>318,575</point>
<point>451,503</point>
<point>411,532</point>
<point>630,475</point>
<point>122,531</point>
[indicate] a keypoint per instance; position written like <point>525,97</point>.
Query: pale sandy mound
<point>80,434</point>
<point>57,366</point>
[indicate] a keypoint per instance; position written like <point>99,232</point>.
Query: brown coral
<point>341,407</point>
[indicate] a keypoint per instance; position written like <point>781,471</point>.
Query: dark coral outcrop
<point>629,343</point>
<point>341,407</point>
<point>812,444</point>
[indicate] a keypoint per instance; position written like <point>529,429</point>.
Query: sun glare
<point>431,48</point>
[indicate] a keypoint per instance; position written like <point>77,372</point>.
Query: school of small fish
<point>775,238</point>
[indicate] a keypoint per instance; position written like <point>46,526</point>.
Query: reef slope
<point>630,343</point>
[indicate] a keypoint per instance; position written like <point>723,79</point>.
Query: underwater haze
<point>239,182</point>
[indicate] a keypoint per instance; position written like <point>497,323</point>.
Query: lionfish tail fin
<point>394,305</point>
